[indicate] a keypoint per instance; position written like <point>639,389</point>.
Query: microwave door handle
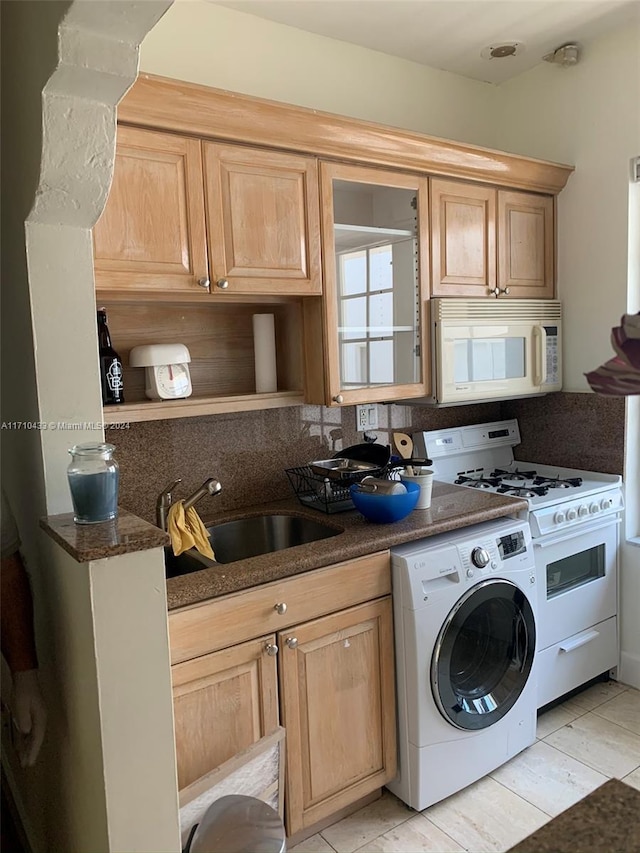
<point>540,355</point>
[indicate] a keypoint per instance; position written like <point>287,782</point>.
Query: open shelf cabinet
<point>219,338</point>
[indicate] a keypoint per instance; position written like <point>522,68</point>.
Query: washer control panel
<point>425,569</point>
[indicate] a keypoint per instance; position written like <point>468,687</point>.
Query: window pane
<point>381,272</point>
<point>381,362</point>
<point>381,314</point>
<point>353,273</point>
<point>354,318</point>
<point>353,367</point>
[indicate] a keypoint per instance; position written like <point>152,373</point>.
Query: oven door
<point>577,579</point>
<point>483,655</point>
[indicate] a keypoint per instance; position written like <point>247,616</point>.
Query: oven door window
<point>575,570</point>
<point>483,655</point>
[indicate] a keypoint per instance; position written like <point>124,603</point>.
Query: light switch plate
<point>366,417</point>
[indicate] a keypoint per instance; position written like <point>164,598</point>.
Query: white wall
<point>587,115</point>
<point>203,43</point>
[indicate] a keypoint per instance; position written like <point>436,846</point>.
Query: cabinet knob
<point>338,398</point>
<point>204,282</point>
<point>280,608</point>
<point>222,283</point>
<point>292,642</point>
<point>271,649</point>
<point>498,290</point>
<point>504,290</point>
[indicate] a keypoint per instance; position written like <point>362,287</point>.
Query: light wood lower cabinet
<point>335,666</point>
<point>223,702</point>
<point>338,707</point>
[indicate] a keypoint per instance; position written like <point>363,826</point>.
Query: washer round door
<point>483,655</point>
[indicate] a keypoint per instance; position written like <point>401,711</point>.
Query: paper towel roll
<point>264,347</point>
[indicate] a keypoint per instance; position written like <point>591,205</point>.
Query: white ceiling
<point>450,34</point>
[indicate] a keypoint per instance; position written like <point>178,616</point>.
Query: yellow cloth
<point>187,531</point>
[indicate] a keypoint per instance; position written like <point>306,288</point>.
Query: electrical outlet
<point>366,417</point>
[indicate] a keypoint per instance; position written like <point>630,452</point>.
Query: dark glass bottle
<point>110,364</point>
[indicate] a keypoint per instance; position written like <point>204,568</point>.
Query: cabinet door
<point>463,223</point>
<point>525,244</point>
<point>338,706</point>
<point>151,235</point>
<point>263,221</point>
<point>223,702</point>
<point>375,241</point>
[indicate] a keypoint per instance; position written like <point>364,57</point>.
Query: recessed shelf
<point>219,337</point>
<point>350,238</point>
<point>192,407</point>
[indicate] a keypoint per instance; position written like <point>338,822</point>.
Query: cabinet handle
<point>222,283</point>
<point>271,649</point>
<point>338,398</point>
<point>204,282</point>
<point>280,608</point>
<point>498,290</point>
<point>292,642</point>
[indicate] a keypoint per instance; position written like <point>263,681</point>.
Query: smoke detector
<point>565,55</point>
<point>502,50</point>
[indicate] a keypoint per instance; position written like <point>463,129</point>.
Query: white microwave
<point>486,349</point>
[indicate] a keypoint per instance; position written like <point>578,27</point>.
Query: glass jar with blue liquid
<point>93,480</point>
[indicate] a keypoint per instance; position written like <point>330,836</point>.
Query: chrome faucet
<point>165,498</point>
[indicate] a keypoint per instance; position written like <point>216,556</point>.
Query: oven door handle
<point>582,640</point>
<point>547,543</point>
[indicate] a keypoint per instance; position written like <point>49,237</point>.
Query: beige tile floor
<point>580,744</point>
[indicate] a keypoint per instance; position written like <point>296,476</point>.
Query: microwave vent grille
<point>528,310</point>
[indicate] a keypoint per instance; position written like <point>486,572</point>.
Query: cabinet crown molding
<point>191,108</point>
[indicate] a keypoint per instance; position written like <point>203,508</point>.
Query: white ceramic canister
<point>425,481</point>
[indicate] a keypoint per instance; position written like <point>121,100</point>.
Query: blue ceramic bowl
<point>385,509</point>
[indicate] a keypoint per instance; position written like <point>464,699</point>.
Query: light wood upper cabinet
<point>489,242</point>
<point>338,701</point>
<point>463,245</point>
<point>525,245</point>
<point>375,239</point>
<point>151,235</point>
<point>223,702</point>
<point>263,221</point>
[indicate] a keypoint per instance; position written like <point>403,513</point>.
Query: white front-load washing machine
<point>465,636</point>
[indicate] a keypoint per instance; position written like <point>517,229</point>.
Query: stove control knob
<point>594,508</point>
<point>572,515</point>
<point>558,517</point>
<point>480,557</point>
<point>583,510</point>
<point>606,503</point>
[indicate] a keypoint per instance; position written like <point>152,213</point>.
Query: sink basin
<point>250,537</point>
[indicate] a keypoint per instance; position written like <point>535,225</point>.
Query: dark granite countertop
<point>85,542</point>
<point>605,821</point>
<point>452,507</point>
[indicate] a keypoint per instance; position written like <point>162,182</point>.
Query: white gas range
<point>574,518</point>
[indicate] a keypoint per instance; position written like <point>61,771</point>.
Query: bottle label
<point>114,376</point>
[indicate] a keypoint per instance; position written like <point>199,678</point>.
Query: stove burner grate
<point>520,492</point>
<point>513,475</point>
<point>558,482</point>
<point>477,482</point>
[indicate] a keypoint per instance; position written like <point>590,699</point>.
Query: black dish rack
<point>327,494</point>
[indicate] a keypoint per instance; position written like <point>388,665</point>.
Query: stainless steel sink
<point>250,537</point>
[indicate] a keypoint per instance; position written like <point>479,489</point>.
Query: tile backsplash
<point>249,451</point>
